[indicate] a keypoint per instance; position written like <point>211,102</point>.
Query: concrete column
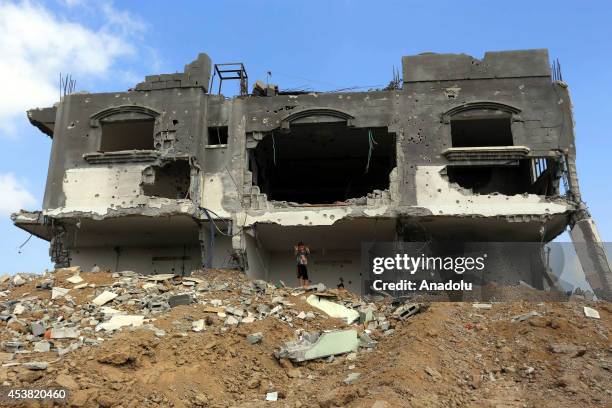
<point>59,253</point>
<point>592,256</point>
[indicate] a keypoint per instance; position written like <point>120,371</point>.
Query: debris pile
<point>217,339</point>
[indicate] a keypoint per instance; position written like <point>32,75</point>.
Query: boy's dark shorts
<point>302,272</point>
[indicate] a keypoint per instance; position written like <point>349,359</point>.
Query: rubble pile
<point>217,339</point>
<point>68,308</point>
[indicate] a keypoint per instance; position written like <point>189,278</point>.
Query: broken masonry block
<point>65,333</point>
<point>366,341</point>
<point>45,285</point>
<point>180,299</point>
<point>11,346</point>
<point>37,329</point>
<point>366,315</point>
<point>42,346</point>
<point>407,310</point>
<point>198,325</point>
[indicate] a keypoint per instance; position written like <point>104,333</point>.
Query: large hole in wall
<point>507,180</point>
<point>323,163</point>
<point>478,132</point>
<point>128,135</point>
<point>169,181</point>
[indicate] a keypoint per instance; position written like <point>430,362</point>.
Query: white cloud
<point>14,196</point>
<point>37,45</point>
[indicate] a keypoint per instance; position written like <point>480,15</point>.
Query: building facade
<point>169,177</point>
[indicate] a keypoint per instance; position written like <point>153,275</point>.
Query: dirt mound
<point>517,354</point>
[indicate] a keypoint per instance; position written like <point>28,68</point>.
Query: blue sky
<point>321,45</point>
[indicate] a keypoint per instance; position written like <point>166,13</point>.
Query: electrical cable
<point>371,143</point>
<point>25,242</point>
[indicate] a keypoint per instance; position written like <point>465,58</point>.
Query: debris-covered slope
<point>216,339</point>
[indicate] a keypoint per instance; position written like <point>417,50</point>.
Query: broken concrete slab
<point>328,344</point>
<point>118,321</point>
<point>161,277</point>
<point>58,292</point>
<point>333,309</point>
<point>590,312</point>
<point>104,298</point>
<point>75,279</point>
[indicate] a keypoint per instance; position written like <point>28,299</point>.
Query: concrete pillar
<point>592,256</point>
<point>58,251</point>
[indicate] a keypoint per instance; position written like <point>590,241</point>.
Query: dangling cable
<point>273,149</point>
<point>371,144</point>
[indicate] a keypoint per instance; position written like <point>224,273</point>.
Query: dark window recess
<point>323,163</point>
<point>169,181</point>
<point>217,135</point>
<point>481,132</point>
<point>129,135</point>
<point>507,180</point>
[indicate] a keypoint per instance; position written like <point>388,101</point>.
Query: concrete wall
<point>145,260</point>
<point>326,268</point>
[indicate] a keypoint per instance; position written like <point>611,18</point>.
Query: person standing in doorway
<point>301,253</point>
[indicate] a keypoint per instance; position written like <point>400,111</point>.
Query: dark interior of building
<point>128,135</point>
<point>507,180</point>
<point>481,132</point>
<point>323,163</point>
<point>169,181</point>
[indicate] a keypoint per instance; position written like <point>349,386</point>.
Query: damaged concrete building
<point>169,176</point>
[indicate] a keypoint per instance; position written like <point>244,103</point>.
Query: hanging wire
<point>22,245</point>
<point>273,149</point>
<point>371,144</point>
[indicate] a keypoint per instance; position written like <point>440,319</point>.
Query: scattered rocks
<point>351,378</point>
<point>255,338</point>
<point>198,325</point>
<point>35,365</point>
<point>18,280</point>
